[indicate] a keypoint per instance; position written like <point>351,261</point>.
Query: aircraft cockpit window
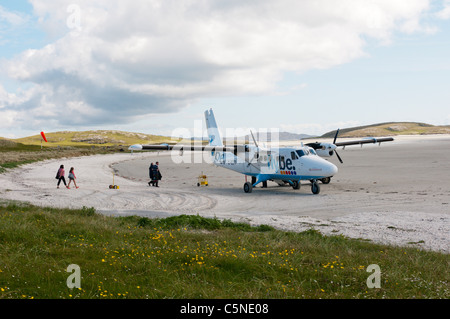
<point>300,153</point>
<point>305,152</point>
<point>294,156</point>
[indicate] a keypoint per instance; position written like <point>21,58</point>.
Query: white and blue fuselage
<point>284,164</point>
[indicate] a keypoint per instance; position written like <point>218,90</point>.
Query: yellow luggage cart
<point>202,180</point>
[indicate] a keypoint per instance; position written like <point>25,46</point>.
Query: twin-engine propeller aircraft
<point>283,165</point>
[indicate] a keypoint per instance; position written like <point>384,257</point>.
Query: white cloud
<point>444,13</point>
<point>127,59</point>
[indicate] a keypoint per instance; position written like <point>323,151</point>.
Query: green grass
<point>25,154</point>
<point>11,165</point>
<point>195,257</point>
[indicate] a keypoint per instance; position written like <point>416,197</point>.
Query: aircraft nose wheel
<point>248,187</point>
<point>315,188</point>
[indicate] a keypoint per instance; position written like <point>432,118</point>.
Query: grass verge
<point>20,154</point>
<point>195,257</point>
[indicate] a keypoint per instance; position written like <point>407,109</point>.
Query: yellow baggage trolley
<point>202,180</point>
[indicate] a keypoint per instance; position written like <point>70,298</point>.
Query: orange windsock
<point>43,136</point>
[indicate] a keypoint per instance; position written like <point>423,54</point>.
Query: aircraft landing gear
<point>326,180</point>
<point>248,187</point>
<point>315,188</point>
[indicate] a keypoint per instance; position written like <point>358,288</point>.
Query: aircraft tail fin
<point>213,130</point>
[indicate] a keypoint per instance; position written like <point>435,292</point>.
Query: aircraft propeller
<point>334,143</point>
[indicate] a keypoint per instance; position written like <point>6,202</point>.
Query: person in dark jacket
<point>156,174</point>
<point>60,176</point>
<point>150,172</point>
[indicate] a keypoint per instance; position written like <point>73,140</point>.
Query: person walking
<point>150,172</point>
<point>72,178</point>
<point>60,176</point>
<point>156,174</point>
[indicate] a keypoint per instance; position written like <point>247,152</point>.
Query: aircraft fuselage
<point>283,164</point>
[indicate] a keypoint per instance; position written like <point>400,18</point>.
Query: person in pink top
<point>60,176</point>
<point>72,178</point>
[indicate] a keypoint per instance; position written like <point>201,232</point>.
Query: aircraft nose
<point>331,169</point>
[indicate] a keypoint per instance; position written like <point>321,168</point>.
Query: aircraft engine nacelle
<point>325,152</point>
<point>135,147</point>
<point>323,149</point>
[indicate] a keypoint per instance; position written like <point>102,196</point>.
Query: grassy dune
<point>95,138</point>
<point>14,153</point>
<point>194,257</point>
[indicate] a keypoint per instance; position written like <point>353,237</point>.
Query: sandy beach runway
<point>397,194</point>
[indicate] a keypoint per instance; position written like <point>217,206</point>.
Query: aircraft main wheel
<point>315,188</point>
<point>296,184</point>
<point>326,180</point>
<point>248,187</point>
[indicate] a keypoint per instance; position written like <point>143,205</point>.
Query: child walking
<point>72,177</point>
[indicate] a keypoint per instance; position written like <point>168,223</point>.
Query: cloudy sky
<point>153,66</point>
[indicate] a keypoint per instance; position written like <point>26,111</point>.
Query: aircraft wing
<point>370,140</point>
<point>206,148</point>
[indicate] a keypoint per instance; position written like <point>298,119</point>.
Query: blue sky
<point>72,65</point>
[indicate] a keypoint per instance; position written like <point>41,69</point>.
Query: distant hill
<point>286,136</point>
<point>95,138</point>
<point>390,129</point>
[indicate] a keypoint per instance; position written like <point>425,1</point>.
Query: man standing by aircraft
<point>155,174</point>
